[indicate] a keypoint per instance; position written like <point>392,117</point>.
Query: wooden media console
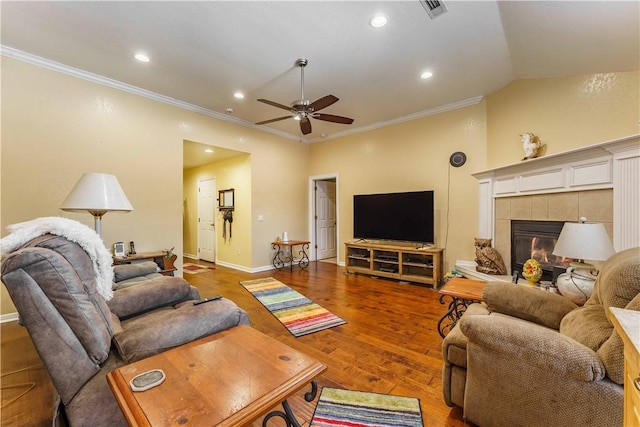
<point>422,265</point>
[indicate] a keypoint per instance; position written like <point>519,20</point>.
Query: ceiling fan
<point>303,109</point>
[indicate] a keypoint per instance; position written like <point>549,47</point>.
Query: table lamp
<point>581,241</point>
<point>97,193</point>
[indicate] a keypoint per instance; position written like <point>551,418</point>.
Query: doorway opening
<point>207,219</point>
<point>324,224</point>
<point>201,162</point>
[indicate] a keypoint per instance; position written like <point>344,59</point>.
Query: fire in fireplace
<point>536,239</point>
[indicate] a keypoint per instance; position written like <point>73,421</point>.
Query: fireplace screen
<point>536,239</point>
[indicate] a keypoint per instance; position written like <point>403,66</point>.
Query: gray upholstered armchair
<point>530,358</point>
<point>81,336</point>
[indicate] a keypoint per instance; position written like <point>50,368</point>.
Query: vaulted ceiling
<point>202,52</point>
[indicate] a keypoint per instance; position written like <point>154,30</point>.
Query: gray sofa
<point>125,275</point>
<point>80,336</point>
<point>525,357</point>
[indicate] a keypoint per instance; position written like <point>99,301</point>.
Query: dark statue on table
<point>488,259</point>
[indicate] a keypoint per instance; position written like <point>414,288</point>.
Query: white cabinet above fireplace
<point>575,176</point>
<point>612,164</point>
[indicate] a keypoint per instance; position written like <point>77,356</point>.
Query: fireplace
<point>561,187</point>
<point>536,239</point>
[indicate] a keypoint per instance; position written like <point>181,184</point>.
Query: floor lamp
<point>97,193</point>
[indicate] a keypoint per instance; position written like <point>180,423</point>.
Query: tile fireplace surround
<point>600,182</point>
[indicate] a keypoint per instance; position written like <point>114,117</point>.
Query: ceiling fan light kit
<point>303,109</point>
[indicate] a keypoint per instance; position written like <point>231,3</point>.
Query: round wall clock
<point>458,159</point>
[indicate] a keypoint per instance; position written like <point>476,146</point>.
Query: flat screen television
<point>405,216</point>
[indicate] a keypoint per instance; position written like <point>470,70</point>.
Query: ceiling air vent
<point>433,7</point>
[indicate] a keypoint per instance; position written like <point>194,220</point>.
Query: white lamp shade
<point>97,192</point>
<point>583,241</point>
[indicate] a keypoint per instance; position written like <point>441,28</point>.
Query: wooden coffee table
<point>462,293</point>
<point>228,379</point>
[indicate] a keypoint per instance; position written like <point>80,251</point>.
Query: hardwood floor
<point>389,345</point>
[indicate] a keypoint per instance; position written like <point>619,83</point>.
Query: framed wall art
<point>226,199</point>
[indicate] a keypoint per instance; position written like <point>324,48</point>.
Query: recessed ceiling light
<point>426,75</point>
<point>142,57</point>
<point>208,150</point>
<point>238,95</point>
<point>378,21</point>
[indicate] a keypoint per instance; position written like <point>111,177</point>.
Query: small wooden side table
<point>227,379</point>
<point>627,323</point>
<point>282,256</point>
<point>462,293</point>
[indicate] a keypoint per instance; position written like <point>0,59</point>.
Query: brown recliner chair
<point>80,336</point>
<point>525,357</point>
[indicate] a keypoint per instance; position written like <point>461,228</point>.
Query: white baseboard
<point>10,317</point>
<point>243,268</point>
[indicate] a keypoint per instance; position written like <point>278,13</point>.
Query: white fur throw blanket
<point>72,230</point>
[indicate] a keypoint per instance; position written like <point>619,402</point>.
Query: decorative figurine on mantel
<point>488,259</point>
<point>531,145</point>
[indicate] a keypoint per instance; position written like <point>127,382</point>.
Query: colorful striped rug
<point>297,313</point>
<point>357,408</point>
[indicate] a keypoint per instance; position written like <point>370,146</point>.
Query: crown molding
<point>115,84</point>
<point>19,55</point>
<point>420,114</point>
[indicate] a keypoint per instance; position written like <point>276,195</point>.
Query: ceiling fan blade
<point>305,126</point>
<point>273,120</point>
<point>323,102</point>
<point>275,104</point>
<point>332,118</point>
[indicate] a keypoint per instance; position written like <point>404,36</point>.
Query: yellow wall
<point>409,157</point>
<point>272,183</point>
<point>279,182</point>
<point>565,113</point>
<point>231,173</point>
<point>56,127</point>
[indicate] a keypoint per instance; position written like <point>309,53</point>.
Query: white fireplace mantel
<point>613,164</point>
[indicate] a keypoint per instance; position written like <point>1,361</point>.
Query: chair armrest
<point>523,302</point>
<point>161,292</point>
<point>456,338</point>
<point>529,344</point>
<point>454,345</point>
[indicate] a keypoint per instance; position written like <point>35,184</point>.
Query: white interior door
<point>207,219</point>
<point>326,219</point>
